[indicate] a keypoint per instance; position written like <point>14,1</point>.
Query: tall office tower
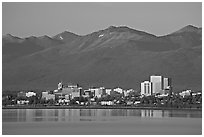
<point>167,86</point>
<point>167,83</point>
<point>157,84</point>
<point>146,88</point>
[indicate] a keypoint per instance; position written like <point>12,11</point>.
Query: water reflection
<point>60,115</point>
<point>155,113</point>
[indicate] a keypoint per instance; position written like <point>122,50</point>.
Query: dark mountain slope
<point>14,47</point>
<point>186,37</point>
<point>123,58</point>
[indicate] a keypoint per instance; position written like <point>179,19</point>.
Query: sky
<point>38,19</point>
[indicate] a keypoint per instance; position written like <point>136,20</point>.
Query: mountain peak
<point>66,36</point>
<point>124,28</point>
<point>44,37</point>
<point>67,33</point>
<point>112,27</point>
<point>117,27</point>
<point>188,28</point>
<point>8,35</point>
<point>11,38</point>
<point>31,37</point>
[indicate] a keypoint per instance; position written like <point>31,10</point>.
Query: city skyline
<point>101,68</point>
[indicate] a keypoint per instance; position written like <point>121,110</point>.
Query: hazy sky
<point>26,19</point>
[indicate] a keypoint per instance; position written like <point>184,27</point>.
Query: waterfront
<point>101,121</point>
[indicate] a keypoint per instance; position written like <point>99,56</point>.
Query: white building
<point>126,93</point>
<point>70,85</point>
<point>119,90</point>
<point>196,93</point>
<point>157,84</point>
<point>30,94</point>
<point>185,93</point>
<point>55,90</point>
<point>22,102</point>
<point>146,88</point>
<point>107,103</point>
<point>108,91</point>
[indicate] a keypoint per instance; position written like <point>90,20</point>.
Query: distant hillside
<point>116,56</point>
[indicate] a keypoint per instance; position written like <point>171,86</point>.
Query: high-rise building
<point>146,88</point>
<point>167,83</point>
<point>157,84</point>
<point>167,87</point>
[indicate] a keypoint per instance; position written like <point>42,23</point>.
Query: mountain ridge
<point>115,56</point>
<point>111,28</point>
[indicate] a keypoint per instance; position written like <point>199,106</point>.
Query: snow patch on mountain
<point>101,35</point>
<point>61,37</point>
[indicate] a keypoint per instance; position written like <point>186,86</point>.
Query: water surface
<point>100,121</point>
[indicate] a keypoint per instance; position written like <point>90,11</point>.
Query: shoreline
<point>98,107</point>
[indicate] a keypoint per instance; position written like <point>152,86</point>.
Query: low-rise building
<point>68,97</point>
<point>107,103</point>
<point>70,85</point>
<point>73,90</point>
<point>87,94</point>
<point>136,102</point>
<point>48,96</point>
<point>129,102</point>
<point>97,92</point>
<point>30,94</point>
<point>75,93</point>
<point>108,91</point>
<point>22,102</point>
<point>196,93</point>
<point>185,93</point>
<point>21,94</point>
<point>119,90</point>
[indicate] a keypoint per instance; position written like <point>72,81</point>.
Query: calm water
<point>100,121</point>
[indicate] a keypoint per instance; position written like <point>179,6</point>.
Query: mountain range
<point>113,57</point>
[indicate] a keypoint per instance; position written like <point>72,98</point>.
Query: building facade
<point>157,84</point>
<point>119,90</point>
<point>167,83</point>
<point>97,92</point>
<point>108,91</point>
<point>21,94</point>
<point>48,96</point>
<point>30,94</point>
<point>146,88</point>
